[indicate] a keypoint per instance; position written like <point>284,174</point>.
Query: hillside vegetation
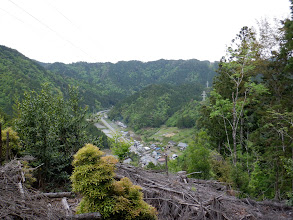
<point>100,85</point>
<point>243,131</point>
<point>246,136</point>
<point>186,116</point>
<point>18,74</point>
<point>155,104</point>
<point>109,83</point>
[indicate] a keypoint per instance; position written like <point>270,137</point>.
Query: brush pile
<point>18,202</point>
<point>179,197</point>
<point>174,196</point>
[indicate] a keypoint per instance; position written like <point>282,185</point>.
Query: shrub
<point>93,177</point>
<point>14,143</point>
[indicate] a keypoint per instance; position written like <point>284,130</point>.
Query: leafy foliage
<point>14,143</point>
<point>154,105</point>
<point>96,136</point>
<point>120,148</point>
<point>250,120</point>
<point>17,75</point>
<point>110,83</point>
<point>51,129</point>
<point>186,117</point>
<point>93,177</point>
<point>196,158</point>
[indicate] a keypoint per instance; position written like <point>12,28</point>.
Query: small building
<point>162,160</point>
<point>121,124</point>
<point>174,156</point>
<point>140,148</point>
<point>147,148</point>
<point>145,160</point>
<point>133,149</point>
<point>172,143</point>
<point>182,146</point>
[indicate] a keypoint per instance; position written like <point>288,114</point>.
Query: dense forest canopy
<point>17,75</point>
<point>155,104</point>
<point>101,85</point>
<point>110,83</point>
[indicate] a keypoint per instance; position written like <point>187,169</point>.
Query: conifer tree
<point>93,178</point>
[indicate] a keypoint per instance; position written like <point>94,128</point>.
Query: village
<point>154,152</point>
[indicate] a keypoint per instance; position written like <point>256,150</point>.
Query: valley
<point>106,136</point>
<point>149,144</point>
<point>227,122</point>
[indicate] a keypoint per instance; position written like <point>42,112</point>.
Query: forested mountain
<point>186,116</point>
<point>243,134</point>
<point>18,74</point>
<point>109,83</point>
<point>100,84</point>
<point>155,104</point>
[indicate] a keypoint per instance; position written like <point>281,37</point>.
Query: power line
<point>56,9</point>
<point>18,19</point>
<point>78,28</point>
<point>48,27</point>
<point>12,15</point>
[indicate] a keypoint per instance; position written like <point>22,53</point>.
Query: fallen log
<point>56,195</point>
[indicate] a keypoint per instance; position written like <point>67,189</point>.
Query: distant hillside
<point>110,83</point>
<point>101,85</point>
<point>186,116</point>
<point>155,104</point>
<point>18,74</point>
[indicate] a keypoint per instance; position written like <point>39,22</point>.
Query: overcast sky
<point>114,30</point>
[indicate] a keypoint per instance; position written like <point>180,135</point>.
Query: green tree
<point>237,69</point>
<point>14,143</point>
<point>273,137</point>
<point>51,129</point>
<point>119,147</point>
<point>196,158</point>
<point>93,177</point>
<point>256,122</point>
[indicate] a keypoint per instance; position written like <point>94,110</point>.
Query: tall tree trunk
<point>234,129</point>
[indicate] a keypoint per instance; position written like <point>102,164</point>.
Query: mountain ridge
<point>101,85</point>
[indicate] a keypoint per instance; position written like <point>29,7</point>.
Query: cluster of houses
<point>154,153</point>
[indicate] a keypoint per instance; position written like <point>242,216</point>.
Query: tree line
<point>245,129</point>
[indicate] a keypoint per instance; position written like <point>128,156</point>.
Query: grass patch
<point>164,134</point>
<point>184,135</point>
